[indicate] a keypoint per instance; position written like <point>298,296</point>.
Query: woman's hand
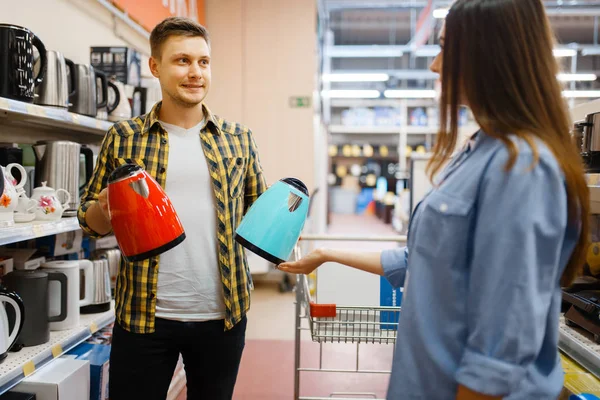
<point>305,265</point>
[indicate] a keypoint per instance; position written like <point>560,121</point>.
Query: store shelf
<point>21,364</point>
<point>578,345</point>
<point>395,130</point>
<point>30,122</point>
<point>365,129</point>
<point>35,229</point>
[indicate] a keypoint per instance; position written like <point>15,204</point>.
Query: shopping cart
<point>329,323</point>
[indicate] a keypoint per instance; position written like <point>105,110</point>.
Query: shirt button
<point>239,161</point>
<point>163,141</point>
<point>444,207</point>
<point>162,170</point>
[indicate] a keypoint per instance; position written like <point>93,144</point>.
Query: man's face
<point>183,69</point>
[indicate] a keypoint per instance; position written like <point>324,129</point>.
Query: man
<point>192,300</point>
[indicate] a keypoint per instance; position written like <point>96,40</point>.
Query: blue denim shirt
<point>485,253</point>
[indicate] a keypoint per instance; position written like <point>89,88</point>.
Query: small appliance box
<point>63,379</point>
<point>98,356</point>
<point>22,258</point>
<point>123,62</point>
<point>61,243</point>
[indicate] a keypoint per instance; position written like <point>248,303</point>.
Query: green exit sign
<point>299,102</point>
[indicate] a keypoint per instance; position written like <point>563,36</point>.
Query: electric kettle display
<point>143,218</point>
<point>272,226</point>
<point>17,80</point>
<point>8,337</point>
<point>33,288</point>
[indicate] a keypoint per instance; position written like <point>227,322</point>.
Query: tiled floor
<point>267,369</point>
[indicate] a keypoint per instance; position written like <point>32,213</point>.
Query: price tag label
<point>4,103</point>
<point>94,327</point>
<point>28,368</point>
<point>38,230</point>
<point>35,110</point>
<point>56,350</point>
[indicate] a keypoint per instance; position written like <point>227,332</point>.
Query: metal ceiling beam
<point>552,7</point>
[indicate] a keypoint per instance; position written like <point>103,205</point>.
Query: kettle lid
<point>296,183</point>
<point>27,273</point>
<point>124,171</point>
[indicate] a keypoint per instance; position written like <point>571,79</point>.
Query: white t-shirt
<point>189,280</point>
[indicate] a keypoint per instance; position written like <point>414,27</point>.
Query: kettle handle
<point>104,86</point>
<point>88,275</point>
<point>43,59</point>
<point>62,280</point>
<point>71,66</point>
<point>15,301</point>
<point>19,185</point>
<point>89,166</point>
<point>112,107</point>
<point>65,205</point>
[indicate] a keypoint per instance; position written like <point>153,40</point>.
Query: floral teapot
<point>49,207</point>
<point>9,196</point>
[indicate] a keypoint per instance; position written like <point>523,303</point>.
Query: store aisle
<point>267,370</point>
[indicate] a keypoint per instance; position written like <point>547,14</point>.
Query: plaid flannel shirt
<point>237,181</point>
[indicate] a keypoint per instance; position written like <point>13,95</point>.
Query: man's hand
<point>103,203</point>
<point>97,215</point>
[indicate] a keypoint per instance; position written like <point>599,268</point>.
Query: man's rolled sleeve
<point>394,263</point>
<point>98,182</point>
<point>255,181</point>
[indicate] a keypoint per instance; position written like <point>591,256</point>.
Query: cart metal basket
<point>329,323</point>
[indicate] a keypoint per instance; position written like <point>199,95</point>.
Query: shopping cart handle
<point>323,310</point>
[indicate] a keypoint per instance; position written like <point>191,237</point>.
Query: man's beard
<point>181,101</point>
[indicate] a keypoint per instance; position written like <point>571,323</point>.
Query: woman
<point>502,230</point>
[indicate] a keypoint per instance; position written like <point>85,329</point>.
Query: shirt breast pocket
<point>443,229</point>
<point>236,171</point>
<point>117,162</point>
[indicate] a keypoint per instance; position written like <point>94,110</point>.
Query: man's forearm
<point>96,220</point>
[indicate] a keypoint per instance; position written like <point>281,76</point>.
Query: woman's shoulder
<point>530,156</point>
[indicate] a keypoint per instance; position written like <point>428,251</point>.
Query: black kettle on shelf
<point>17,79</point>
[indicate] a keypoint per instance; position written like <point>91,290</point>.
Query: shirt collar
<point>152,119</point>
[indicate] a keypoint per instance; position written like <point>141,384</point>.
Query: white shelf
<point>35,229</point>
<point>21,364</point>
<point>32,122</point>
<point>365,129</point>
<point>578,345</point>
<point>411,130</point>
<point>368,129</point>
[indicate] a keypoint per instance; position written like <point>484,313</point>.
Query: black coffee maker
<point>587,136</point>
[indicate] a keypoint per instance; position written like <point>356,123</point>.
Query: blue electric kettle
<point>271,227</point>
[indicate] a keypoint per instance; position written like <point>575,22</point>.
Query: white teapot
<point>49,207</point>
<point>9,197</point>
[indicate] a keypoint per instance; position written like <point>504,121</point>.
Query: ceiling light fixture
<point>349,77</point>
<point>351,94</point>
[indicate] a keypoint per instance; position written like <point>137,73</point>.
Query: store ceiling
<point>391,22</point>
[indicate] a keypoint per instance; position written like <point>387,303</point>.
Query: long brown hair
<point>498,57</point>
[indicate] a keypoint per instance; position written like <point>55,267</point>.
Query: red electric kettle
<point>143,219</point>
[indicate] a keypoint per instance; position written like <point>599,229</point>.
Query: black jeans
<point>142,365</point>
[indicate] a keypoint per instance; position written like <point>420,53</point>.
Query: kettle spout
<point>141,187</point>
<point>39,150</point>
<point>294,202</point>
